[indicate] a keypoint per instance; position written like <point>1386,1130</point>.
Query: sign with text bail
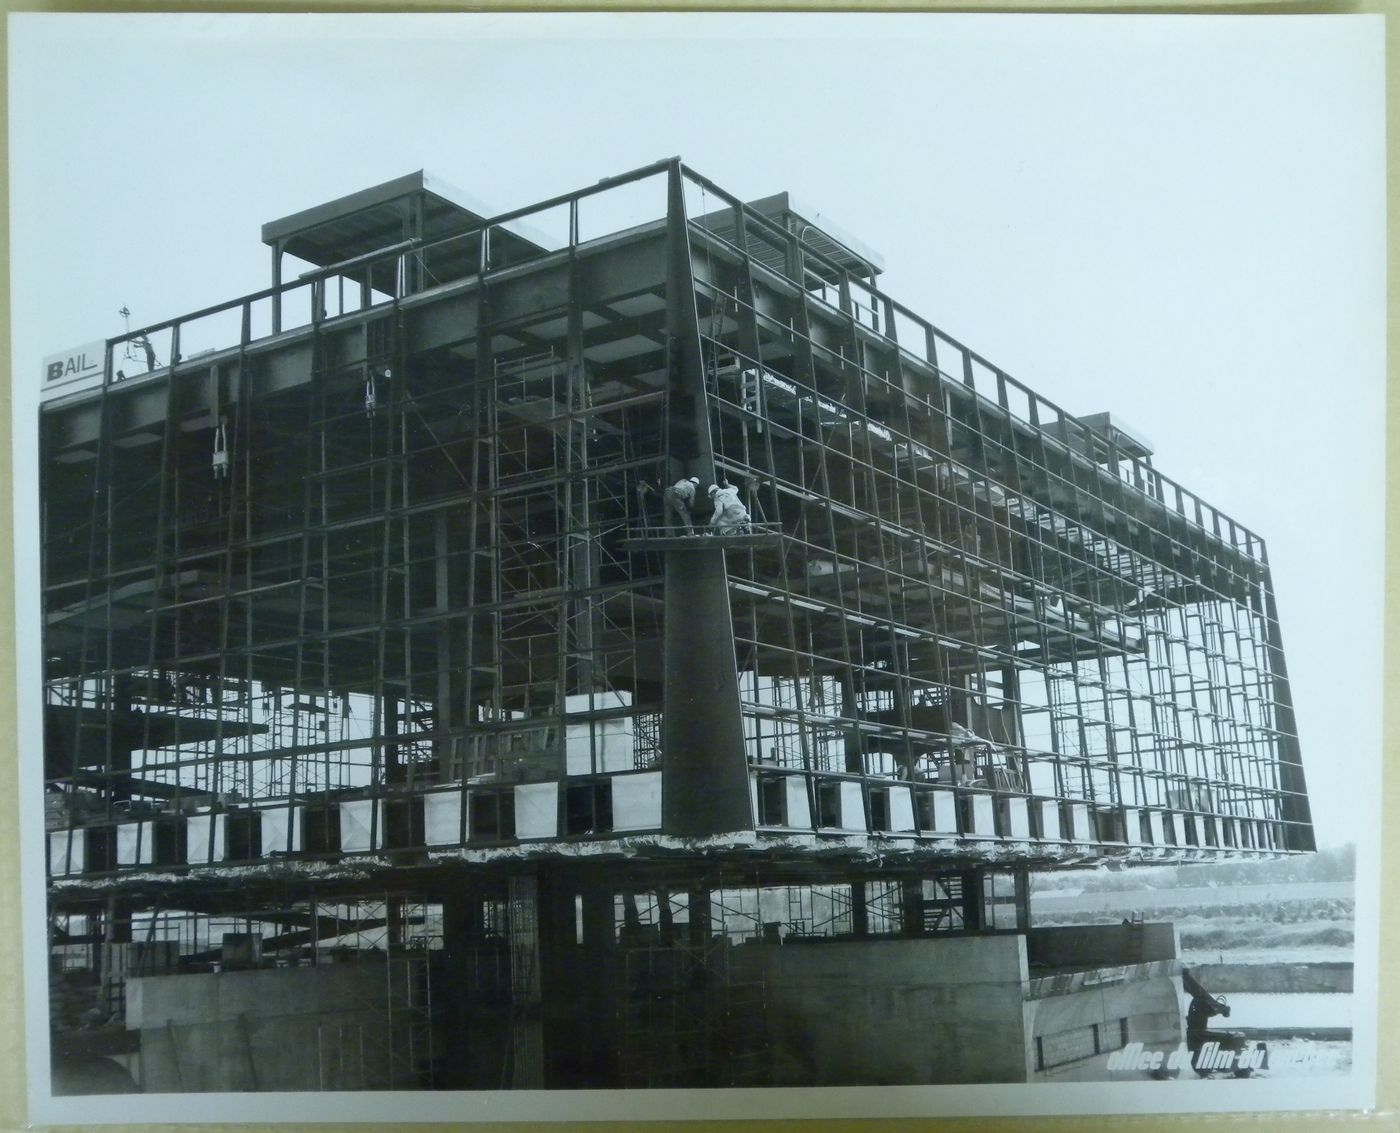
<point>80,362</point>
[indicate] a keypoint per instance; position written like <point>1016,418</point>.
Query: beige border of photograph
<point>13,1108</point>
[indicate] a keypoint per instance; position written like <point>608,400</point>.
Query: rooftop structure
<point>369,632</point>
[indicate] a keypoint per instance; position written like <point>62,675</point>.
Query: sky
<point>1177,220</point>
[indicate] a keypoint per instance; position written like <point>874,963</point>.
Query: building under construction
<point>399,736</point>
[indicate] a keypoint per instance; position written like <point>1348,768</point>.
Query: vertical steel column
<point>860,911</point>
<point>167,500</point>
<point>1021,879</point>
<point>747,319</point>
<point>308,478</point>
<point>277,283</point>
<point>229,487</point>
<point>973,897</point>
<point>911,906</point>
<point>580,615</point>
<point>99,525</point>
<point>526,1057</point>
<point>1294,807</point>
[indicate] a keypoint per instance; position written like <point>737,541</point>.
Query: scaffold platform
<point>758,536</point>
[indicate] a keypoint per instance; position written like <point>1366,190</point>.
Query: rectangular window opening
<point>320,830</point>
<point>242,836</point>
<point>588,807</point>
<point>772,801</point>
<point>492,816</point>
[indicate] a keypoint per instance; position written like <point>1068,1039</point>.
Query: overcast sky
<point>1178,220</point>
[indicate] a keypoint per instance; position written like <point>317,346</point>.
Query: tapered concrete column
<point>704,772</point>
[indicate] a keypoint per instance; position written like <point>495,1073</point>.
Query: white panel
<point>1132,826</point>
<point>901,810</point>
<point>636,801</point>
<point>275,822</point>
<point>577,751</point>
<point>60,860</point>
<point>537,810</point>
<point>1159,834</point>
<point>356,822</point>
<point>614,742</point>
<point>945,812</point>
<point>198,832</point>
<point>1080,831</point>
<point>442,818</point>
<point>1049,819</point>
<point>753,796</point>
<point>597,701</point>
<point>852,806</point>
<point>133,841</point>
<point>617,743</point>
<point>983,822</point>
<point>146,853</point>
<point>1018,821</point>
<point>799,807</point>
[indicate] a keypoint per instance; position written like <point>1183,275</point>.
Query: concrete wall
<point>1150,1005</point>
<point>273,1029</point>
<point>885,1012</point>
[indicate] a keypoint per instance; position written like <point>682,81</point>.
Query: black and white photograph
<point>624,566</point>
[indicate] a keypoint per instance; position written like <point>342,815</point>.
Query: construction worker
<point>680,502</point>
<point>1202,1009</point>
<point>966,746</point>
<point>730,516</point>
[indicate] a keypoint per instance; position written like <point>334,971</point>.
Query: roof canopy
<point>810,228</point>
<point>413,207</point>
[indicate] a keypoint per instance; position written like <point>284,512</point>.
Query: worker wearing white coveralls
<point>680,500</point>
<point>730,517</point>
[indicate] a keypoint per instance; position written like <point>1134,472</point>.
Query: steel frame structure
<point>373,581</point>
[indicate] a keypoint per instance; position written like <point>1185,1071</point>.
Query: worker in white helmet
<point>730,516</point>
<point>680,502</point>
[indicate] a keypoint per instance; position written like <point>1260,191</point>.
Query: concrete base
<point>891,1012</point>
<point>690,1010</point>
<point>321,1028</point>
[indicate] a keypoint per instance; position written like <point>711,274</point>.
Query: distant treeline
<point>1336,863</point>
